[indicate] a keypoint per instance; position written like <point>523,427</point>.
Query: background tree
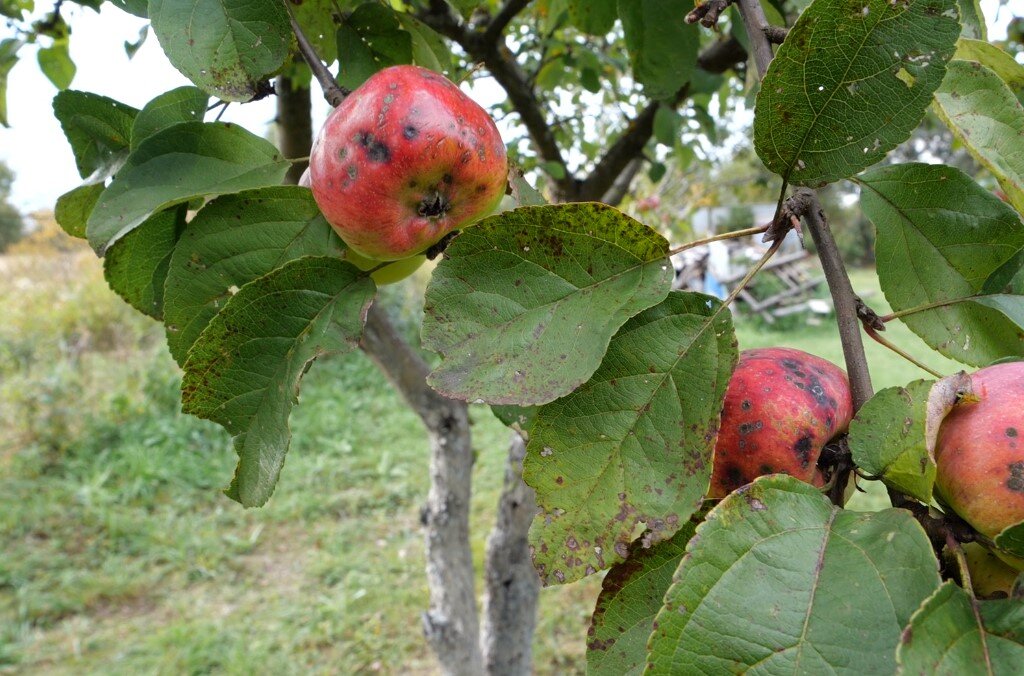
<point>12,225</point>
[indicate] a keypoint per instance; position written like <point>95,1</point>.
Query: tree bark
<point>451,624</point>
<point>294,125</point>
<point>511,582</point>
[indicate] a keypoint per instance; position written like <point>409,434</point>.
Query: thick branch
<point>620,187</point>
<point>722,55</point>
<point>511,584</point>
<point>451,625</point>
<point>503,18</point>
<point>754,21</point>
<point>294,124</point>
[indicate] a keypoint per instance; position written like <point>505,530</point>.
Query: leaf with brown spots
<point>634,444</point>
<point>778,580</point>
<point>244,370</point>
<point>523,304</point>
<point>954,633</point>
<point>631,595</point>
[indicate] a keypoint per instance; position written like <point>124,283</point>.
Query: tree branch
<point>333,92</point>
<point>503,18</point>
<point>451,625</point>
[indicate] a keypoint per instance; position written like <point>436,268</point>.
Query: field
<point>120,555</point>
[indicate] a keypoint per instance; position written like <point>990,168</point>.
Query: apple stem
<point>922,308</point>
<point>333,92</point>
<point>885,343</point>
<point>714,238</point>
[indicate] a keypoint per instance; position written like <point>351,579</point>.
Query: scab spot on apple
<point>410,132</point>
<point>1016,481</point>
<point>376,150</point>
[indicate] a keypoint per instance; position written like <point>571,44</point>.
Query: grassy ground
<point>120,554</point>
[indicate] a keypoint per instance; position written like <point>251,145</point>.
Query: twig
<point>753,271</point>
<point>775,34</point>
<point>885,343</point>
<point>333,92</point>
<point>503,18</point>
<point>708,12</point>
<point>714,238</point>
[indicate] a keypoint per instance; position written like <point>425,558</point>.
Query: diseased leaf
<point>244,370</point>
<point>851,82</point>
<point>985,115</point>
<point>954,634</point>
<point>778,580</point>
<point>972,20</point>
<point>184,104</point>
<point>226,47</point>
<point>179,164</point>
<point>99,130</point>
<point>662,46</point>
<point>940,237</point>
<point>519,418</point>
<point>887,439</point>
<point>524,303</point>
<point>997,60</point>
<point>631,596</point>
<point>232,241</point>
<point>634,444</point>
<point>371,39</point>
<point>136,266</point>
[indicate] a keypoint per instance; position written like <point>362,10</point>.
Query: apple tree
<point>558,312</point>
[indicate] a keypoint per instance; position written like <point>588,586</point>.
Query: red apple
<point>781,407</point>
<point>979,454</point>
<point>404,160</point>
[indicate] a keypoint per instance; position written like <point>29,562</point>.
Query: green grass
<point>120,554</point>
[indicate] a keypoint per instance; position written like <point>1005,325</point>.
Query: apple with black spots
<point>782,406</point>
<point>979,453</point>
<point>405,159</point>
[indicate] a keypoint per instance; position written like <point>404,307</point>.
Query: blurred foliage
<point>12,225</point>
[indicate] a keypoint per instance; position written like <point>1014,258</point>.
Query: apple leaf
<point>524,303</point>
<point>997,60</point>
<point>984,114</point>
<point>56,64</point>
<point>136,266</point>
<point>972,20</point>
<point>428,48</point>
<point>953,633</point>
<point>634,444</point>
<point>8,57</point>
<point>227,48</point>
<point>778,580</point>
<point>371,39</point>
<point>99,130</point>
<point>851,82</point>
<point>631,596</point>
<point>139,8</point>
<point>940,237</point>
<point>232,241</point>
<point>594,17</point>
<point>73,208</point>
<point>1011,540</point>
<point>519,418</point>
<point>176,165</point>
<point>316,18</point>
<point>662,46</point>
<point>887,439</point>
<point>244,370</point>
<point>183,104</point>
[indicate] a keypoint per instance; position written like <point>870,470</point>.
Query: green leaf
<point>8,57</point>
<point>225,47</point>
<point>516,417</point>
<point>56,64</point>
<point>631,596</point>
<point>244,370</point>
<point>972,20</point>
<point>954,633</point>
<point>635,443</point>
<point>184,104</point>
<point>132,48</point>
<point>316,18</point>
<point>371,39</point>
<point>887,439</point>
<point>524,303</point>
<point>985,115</point>
<point>15,8</point>
<point>1011,306</point>
<point>73,208</point>
<point>524,194</point>
<point>428,48</point>
<point>594,17</point>
<point>179,164</point>
<point>998,61</point>
<point>667,123</point>
<point>139,8</point>
<point>136,266</point>
<point>99,129</point>
<point>778,580</point>
<point>232,241</point>
<point>662,46</point>
<point>1011,540</point>
<point>851,82</point>
<point>553,169</point>
<point>940,237</point>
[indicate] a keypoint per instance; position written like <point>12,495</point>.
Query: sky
<point>35,147</point>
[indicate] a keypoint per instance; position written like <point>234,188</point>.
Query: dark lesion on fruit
<point>734,478</point>
<point>434,205</point>
<point>802,447</point>
<point>410,132</point>
<point>376,149</point>
<point>1016,481</point>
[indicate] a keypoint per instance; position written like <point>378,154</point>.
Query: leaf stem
<point>961,563</point>
<point>714,238</point>
<point>885,343</point>
<point>333,92</point>
<point>922,308</point>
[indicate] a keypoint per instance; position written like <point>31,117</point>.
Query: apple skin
<point>990,577</point>
<point>781,407</point>
<point>404,160</point>
<point>979,454</point>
